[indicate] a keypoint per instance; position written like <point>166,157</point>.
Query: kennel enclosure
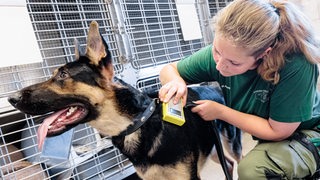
<point>143,36</point>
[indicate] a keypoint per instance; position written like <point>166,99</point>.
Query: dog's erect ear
<point>98,53</point>
<point>95,48</point>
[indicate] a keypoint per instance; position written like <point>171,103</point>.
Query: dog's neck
<point>140,119</point>
<point>144,113</point>
<point>138,105</point>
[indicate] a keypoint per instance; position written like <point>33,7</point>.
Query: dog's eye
<point>63,75</point>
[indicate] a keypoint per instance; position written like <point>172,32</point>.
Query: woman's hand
<point>207,109</point>
<point>173,85</point>
<point>176,89</point>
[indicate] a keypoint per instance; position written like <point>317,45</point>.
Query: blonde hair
<point>259,24</point>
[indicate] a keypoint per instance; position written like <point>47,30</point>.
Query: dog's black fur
<point>158,149</point>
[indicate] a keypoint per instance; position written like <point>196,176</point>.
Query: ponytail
<point>295,36</point>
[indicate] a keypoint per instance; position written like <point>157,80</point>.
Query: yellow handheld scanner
<point>173,113</point>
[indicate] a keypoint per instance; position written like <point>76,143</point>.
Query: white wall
<point>312,9</point>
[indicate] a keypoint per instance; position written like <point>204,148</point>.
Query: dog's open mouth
<point>58,121</point>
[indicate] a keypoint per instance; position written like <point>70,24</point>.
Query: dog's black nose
<point>14,99</point>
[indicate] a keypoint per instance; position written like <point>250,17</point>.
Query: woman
<point>264,57</point>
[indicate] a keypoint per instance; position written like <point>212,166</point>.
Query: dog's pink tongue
<point>43,128</point>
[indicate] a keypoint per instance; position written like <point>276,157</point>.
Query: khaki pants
<point>286,159</point>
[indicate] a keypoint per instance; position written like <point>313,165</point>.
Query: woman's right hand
<point>173,86</point>
<point>176,89</point>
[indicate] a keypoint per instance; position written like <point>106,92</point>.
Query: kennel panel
<point>154,32</point>
<point>56,23</point>
<point>150,85</point>
<point>155,35</point>
<point>216,5</point>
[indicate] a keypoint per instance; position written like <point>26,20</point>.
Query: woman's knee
<point>256,165</point>
<point>247,169</point>
<point>250,170</point>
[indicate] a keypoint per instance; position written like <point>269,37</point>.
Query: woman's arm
<point>267,129</point>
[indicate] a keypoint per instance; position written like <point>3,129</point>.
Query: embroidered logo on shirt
<point>225,86</point>
<point>261,95</point>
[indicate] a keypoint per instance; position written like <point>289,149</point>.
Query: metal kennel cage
<point>143,35</point>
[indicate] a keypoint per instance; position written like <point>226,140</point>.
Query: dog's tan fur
<point>178,171</point>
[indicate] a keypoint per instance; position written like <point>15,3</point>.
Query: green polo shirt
<point>294,99</point>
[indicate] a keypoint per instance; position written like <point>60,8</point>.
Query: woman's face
<point>230,59</point>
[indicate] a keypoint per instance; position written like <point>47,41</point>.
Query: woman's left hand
<point>207,109</point>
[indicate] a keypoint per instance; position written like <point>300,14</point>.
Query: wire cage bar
<point>216,5</point>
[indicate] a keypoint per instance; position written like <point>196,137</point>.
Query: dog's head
<point>81,91</point>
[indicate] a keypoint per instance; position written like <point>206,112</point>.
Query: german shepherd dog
<point>86,91</point>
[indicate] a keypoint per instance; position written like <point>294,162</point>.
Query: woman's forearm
<point>257,126</point>
<point>267,129</point>
<point>168,73</point>
<point>251,124</point>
